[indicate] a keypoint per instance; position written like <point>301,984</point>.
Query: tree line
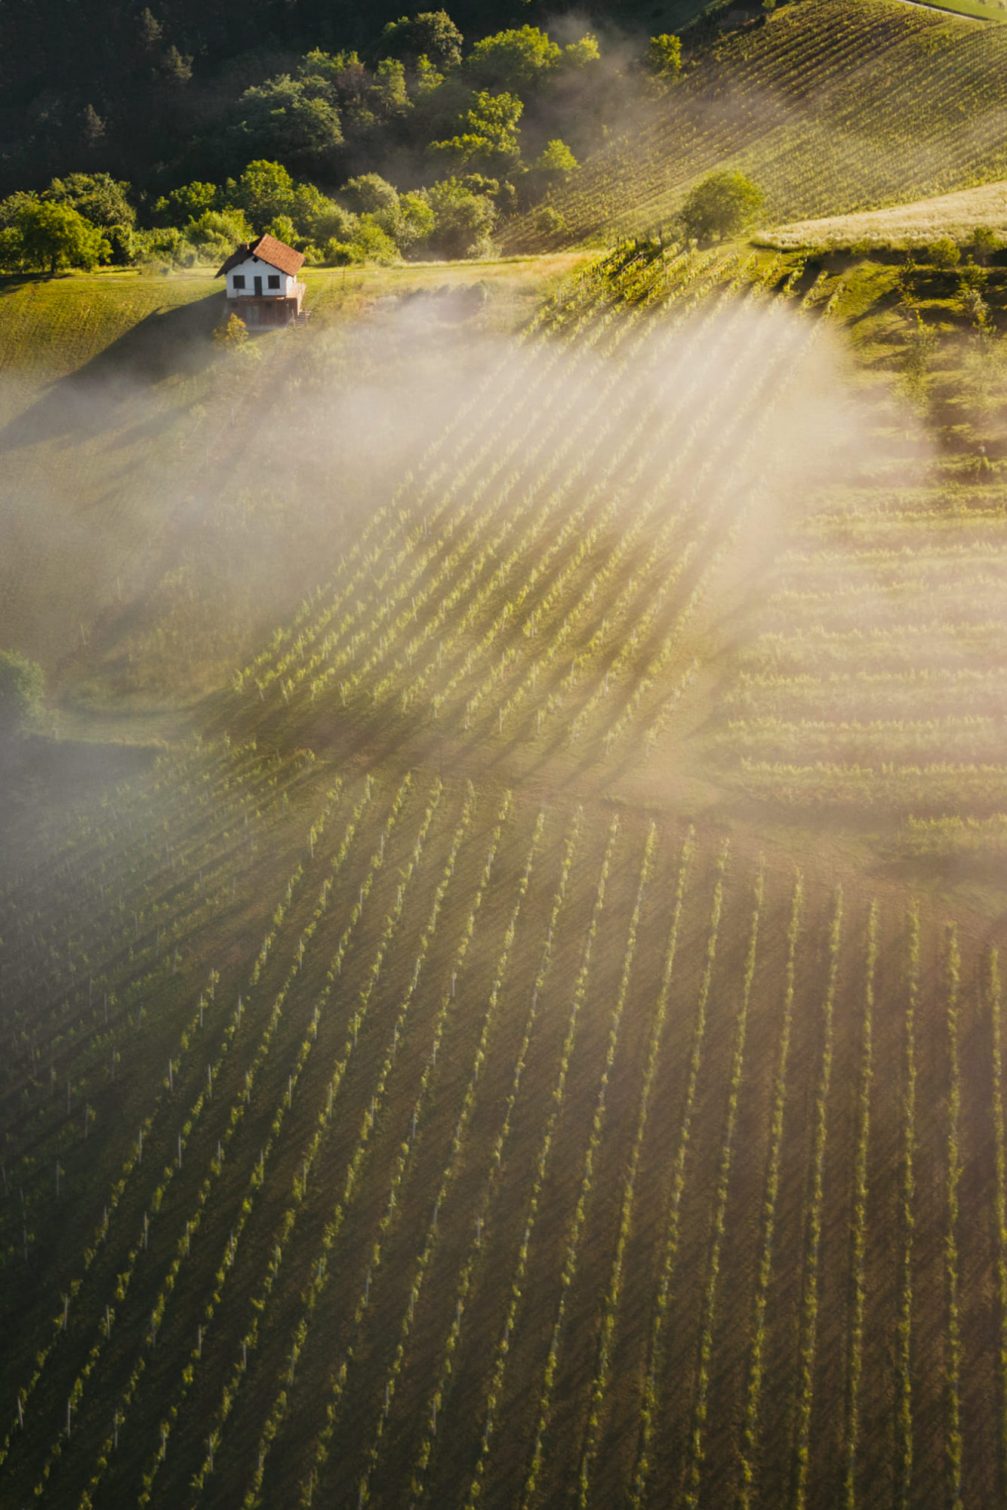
<point>416,148</point>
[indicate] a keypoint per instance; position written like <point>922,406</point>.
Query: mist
<point>162,525</point>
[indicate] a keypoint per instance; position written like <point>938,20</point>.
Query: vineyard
<point>870,686</point>
<point>542,574</point>
<point>533,1033</point>
<point>515,1153</point>
<point>834,107</point>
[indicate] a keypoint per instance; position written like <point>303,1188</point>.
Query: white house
<point>262,284</point>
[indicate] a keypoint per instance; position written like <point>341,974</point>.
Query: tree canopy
<point>46,236</point>
<point>97,196</point>
<point>512,58</point>
<point>722,205</point>
<point>289,119</point>
<point>664,56</point>
<point>432,35</point>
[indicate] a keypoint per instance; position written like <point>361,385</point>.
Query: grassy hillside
<point>981,10</point>
<point>54,325</point>
<point>831,107</point>
<point>956,215</point>
<point>150,476</point>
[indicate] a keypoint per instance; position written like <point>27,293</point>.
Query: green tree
<point>55,236</point>
<point>389,88</point>
<point>187,202</point>
<point>363,99</point>
<point>554,163</point>
<point>368,193</point>
<point>318,217</point>
<point>369,243</point>
<point>582,53</point>
<point>722,205</point>
<point>985,243</point>
<point>264,190</point>
<point>289,119</point>
<point>510,59</point>
<point>216,233</point>
<point>556,160</point>
<point>463,219</point>
<point>488,138</point>
<point>431,35</point>
<point>664,56</point>
<point>428,78</point>
<point>12,206</point>
<point>92,127</point>
<point>284,229</point>
<point>412,223</point>
<point>22,684</point>
<point>99,197</point>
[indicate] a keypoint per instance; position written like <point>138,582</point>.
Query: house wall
<point>252,268</point>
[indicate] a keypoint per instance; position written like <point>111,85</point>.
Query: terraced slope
<point>832,106</point>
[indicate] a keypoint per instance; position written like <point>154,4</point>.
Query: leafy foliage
<point>46,236</point>
<point>664,56</point>
<point>22,683</point>
<point>723,204</point>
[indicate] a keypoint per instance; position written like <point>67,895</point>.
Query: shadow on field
<point>168,343</point>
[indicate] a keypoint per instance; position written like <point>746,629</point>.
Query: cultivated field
<point>426,1103</point>
<point>399,1131</point>
<point>837,107</point>
<point>534,1034</point>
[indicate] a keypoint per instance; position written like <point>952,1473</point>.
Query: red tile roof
<point>269,250</point>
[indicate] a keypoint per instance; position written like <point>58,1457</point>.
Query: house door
<point>258,288</point>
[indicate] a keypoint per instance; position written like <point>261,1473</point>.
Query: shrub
<point>944,253</point>
<point>164,247</point>
<point>985,243</point>
<point>549,221</point>
<point>556,159</point>
<point>232,333</point>
<point>22,683</point>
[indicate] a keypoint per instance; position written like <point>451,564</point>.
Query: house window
<point>239,280</point>
<point>274,280</point>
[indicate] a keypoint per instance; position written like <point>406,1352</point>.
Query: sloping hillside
<point>162,497</point>
<point>432,1113</point>
<point>955,215</point>
<point>831,106</point>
